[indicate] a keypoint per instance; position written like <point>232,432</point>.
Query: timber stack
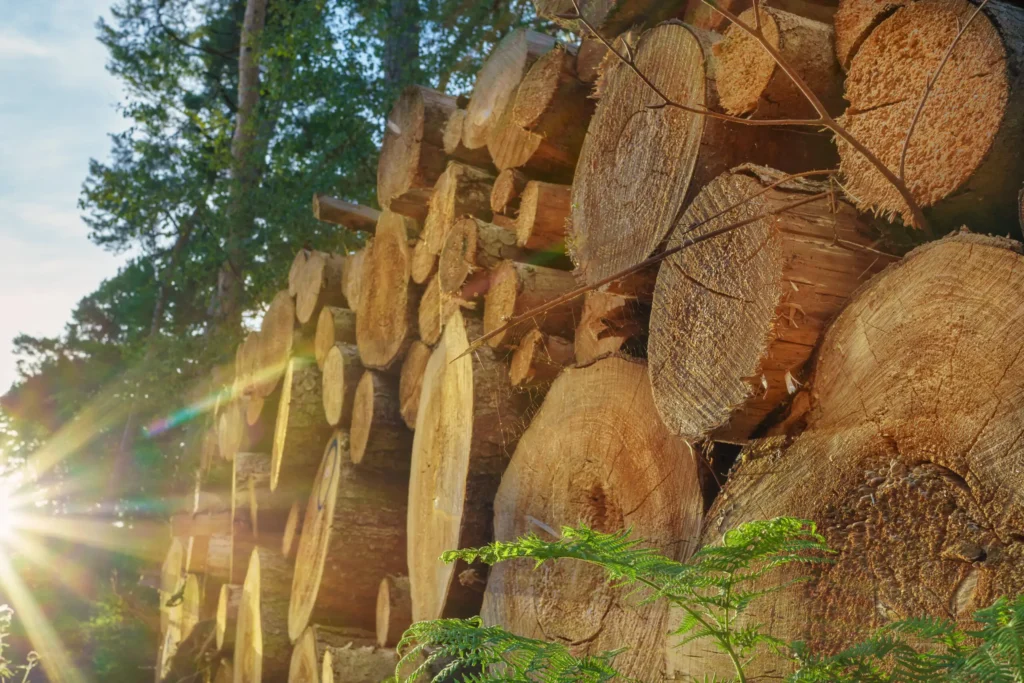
<point>504,355</point>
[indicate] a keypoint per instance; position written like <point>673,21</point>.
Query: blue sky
<point>57,105</point>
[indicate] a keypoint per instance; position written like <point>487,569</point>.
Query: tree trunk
<point>854,22</point>
<point>387,308</point>
<point>960,163</point>
<point>597,454</point>
<point>543,216</point>
<point>401,54</point>
<point>312,645</point>
<point>508,186</point>
<point>497,81</point>
<point>539,358</point>
<point>342,371</point>
<point>319,286</point>
<point>335,325</point>
<point>355,217</point>
<point>355,664</point>
<point>379,438</point>
<point>277,336</point>
<point>469,420</point>
<point>735,318</point>
<point>228,603</point>
<point>611,323</point>
<point>516,288</point>
<point>412,155</point>
<point>394,609</point>
<point>454,147</point>
<point>639,166</point>
<point>473,246</point>
<point>411,381</point>
<point>352,278</point>
<point>262,648</point>
<point>354,533</point>
<point>301,430</point>
<point>910,463</point>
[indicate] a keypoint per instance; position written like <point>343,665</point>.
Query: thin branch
<point>928,89</point>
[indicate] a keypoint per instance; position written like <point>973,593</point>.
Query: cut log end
<point>379,437</point>
<point>411,380</point>
<point>334,325</point>
<point>435,309</point>
<point>300,427</point>
<point>292,530</point>
<point>394,610</point>
<point>509,184</point>
<point>516,288</point>
<point>319,285</point>
<point>277,335</point>
<point>262,648</point>
<point>228,601</point>
<point>543,216</point>
<point>538,359</point>
<point>358,664</point>
<point>342,371</point>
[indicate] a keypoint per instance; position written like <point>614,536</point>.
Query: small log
<point>294,272</point>
<point>411,380</point>
<point>518,287</point>
<point>854,21</point>
<point>736,318</point>
<point>347,214</point>
<point>277,335</point>
<point>333,326</point>
<point>589,56</point>
<point>595,454</point>
<point>959,165</point>
<point>387,308</point>
<point>248,361</point>
<point>461,190</point>
<point>342,372</point>
<point>300,430</point>
<point>543,215</point>
<point>509,184</point>
<point>512,146</point>
<point>436,308</point>
<point>292,530</point>
<point>354,532</point>
<point>319,286</point>
<point>751,83</point>
<point>379,438</point>
<point>474,245</point>
<point>497,80</point>
<point>454,148</point>
<point>423,265</point>
<point>266,511</point>
<point>539,358</point>
<point>394,610</point>
<point>262,648</point>
<point>358,664</point>
<point>609,324</point>
<point>352,278</point>
<point>228,603</point>
<point>469,419</point>
<point>171,572</point>
<point>312,645</point>
<point>412,154</point>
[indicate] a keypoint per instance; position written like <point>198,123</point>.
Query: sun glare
<point>7,513</point>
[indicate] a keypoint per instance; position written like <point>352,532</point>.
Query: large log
<point>262,648</point>
<point>342,371</point>
<point>736,318</point>
<point>386,315</point>
<point>595,454</point>
<point>411,380</point>
<point>472,246</point>
<point>319,285</point>
<point>191,604</point>
<point>333,326</point>
<point>516,288</point>
<point>497,80</point>
<point>640,165</point>
<point>960,166</point>
<point>412,154</point>
<point>308,654</point>
<point>911,461</point>
<point>353,533</point>
<point>228,602</point>
<point>358,664</point>
<point>379,438</point>
<point>394,609</point>
<point>539,358</point>
<point>350,215</point>
<point>469,420</point>
<point>300,430</point>
<point>277,335</point>
<point>454,147</point>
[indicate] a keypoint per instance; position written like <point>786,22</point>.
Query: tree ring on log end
<point>304,666</point>
<point>383,321</point>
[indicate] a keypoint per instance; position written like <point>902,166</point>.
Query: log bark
<point>319,286</point>
<point>518,287</point>
<point>292,529</point>
<point>412,154</point>
<point>508,186</point>
<point>959,165</point>
<point>539,358</point>
<point>639,165</point>
<point>379,438</point>
<point>312,645</point>
<point>262,648</point>
<point>300,430</point>
<point>595,453</point>
<point>354,532</point>
<point>469,420</point>
<point>736,318</point>
<point>543,215</point>
<point>611,323</point>
<point>454,147</point>
<point>266,511</point>
<point>352,278</point>
<point>436,308</point>
<point>394,609</point>
<point>347,214</point>
<point>342,372</point>
<point>910,461</point>
<point>333,326</point>
<point>461,190</point>
<point>855,20</point>
<point>387,308</point>
<point>411,381</point>
<point>497,80</point>
<point>473,246</point>
<point>358,664</point>
<point>277,335</point>
<point>228,604</point>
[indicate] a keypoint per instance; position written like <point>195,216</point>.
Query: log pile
<point>364,427</point>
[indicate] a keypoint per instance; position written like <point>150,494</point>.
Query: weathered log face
<point>334,325</point>
<point>539,358</point>
<point>959,163</point>
<point>358,664</point>
<point>352,278</point>
<point>379,438</point>
<point>411,380</point>
<point>543,216</point>
<point>473,245</point>
<point>436,307</point>
<point>461,190</point>
<point>456,149</point>
<point>468,421</point>
<point>342,372</point>
<point>595,454</point>
<point>277,334</point>
<point>228,602</point>
<point>394,610</point>
<point>319,285</point>
<point>911,462</point>
<point>262,648</point>
<point>300,430</point>
<point>516,288</point>
<point>855,20</point>
<point>611,323</point>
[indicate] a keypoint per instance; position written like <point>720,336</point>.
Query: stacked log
<point>342,370</point>
<point>411,381</point>
<point>379,438</point>
<point>516,288</point>
<point>300,428</point>
<point>307,663</point>
<point>262,648</point>
<point>338,211</point>
<point>394,610</point>
<point>319,285</point>
<point>228,602</point>
<point>335,325</point>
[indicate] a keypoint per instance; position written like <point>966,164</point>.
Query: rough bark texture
<point>319,286</point>
<point>518,287</point>
<point>910,463</point>
<point>394,609</point>
<point>539,358</point>
<point>262,647</point>
<point>454,147</point>
<point>387,308</point>
<point>335,325</point>
<point>277,335</point>
<point>469,421</point>
<point>411,380</point>
<point>751,83</point>
<point>472,246</point>
<point>497,80</point>
<point>611,323</point>
<point>962,164</point>
<point>594,454</point>
<point>543,216</point>
<point>509,184</point>
<point>312,645</point>
<point>379,438</point>
<point>354,533</point>
<point>347,214</point>
<point>358,664</point>
<point>228,603</point>
<point>736,318</point>
<point>854,22</point>
<point>301,430</point>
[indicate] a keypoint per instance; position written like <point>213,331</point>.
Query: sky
<point>57,106</point>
